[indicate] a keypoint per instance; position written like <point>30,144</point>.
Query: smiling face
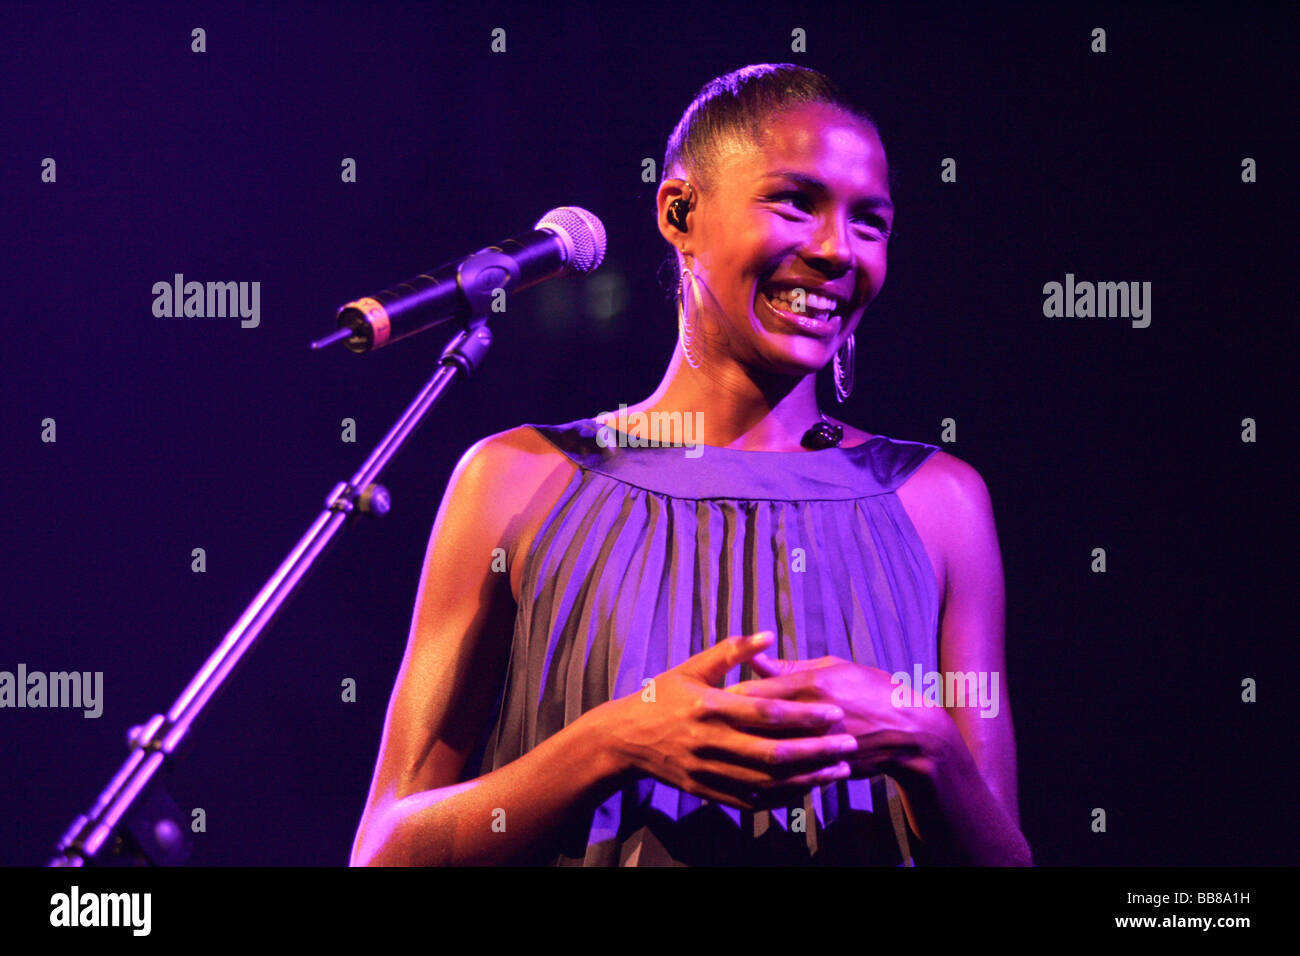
<point>808,210</point>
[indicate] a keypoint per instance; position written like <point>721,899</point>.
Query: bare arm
<point>962,802</point>
<point>509,815</point>
<point>417,813</point>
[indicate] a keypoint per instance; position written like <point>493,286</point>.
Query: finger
<point>712,664</point>
<point>736,779</point>
<point>776,668</point>
<point>741,799</point>
<point>890,746</point>
<point>781,757</point>
<point>771,667</point>
<point>744,784</point>
<point>740,710</point>
<point>792,790</point>
<point>787,685</point>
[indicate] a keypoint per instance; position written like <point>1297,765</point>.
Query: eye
<point>797,198</point>
<point>876,223</point>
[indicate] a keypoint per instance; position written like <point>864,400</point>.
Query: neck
<point>735,408</point>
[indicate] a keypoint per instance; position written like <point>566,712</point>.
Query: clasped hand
<point>766,742</point>
<point>896,733</point>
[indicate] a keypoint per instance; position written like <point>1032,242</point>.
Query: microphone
<point>567,240</point>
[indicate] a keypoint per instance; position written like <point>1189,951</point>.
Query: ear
<point>669,191</point>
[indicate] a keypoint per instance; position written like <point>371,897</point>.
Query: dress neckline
<point>873,467</point>
<point>723,448</point>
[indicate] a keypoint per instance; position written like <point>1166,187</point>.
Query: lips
<point>825,297</point>
<point>820,322</point>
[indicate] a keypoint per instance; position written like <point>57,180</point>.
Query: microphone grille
<point>582,233</point>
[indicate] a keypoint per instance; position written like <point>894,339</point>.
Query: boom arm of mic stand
<point>132,818</point>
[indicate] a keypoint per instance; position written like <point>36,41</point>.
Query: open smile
<point>821,315</point>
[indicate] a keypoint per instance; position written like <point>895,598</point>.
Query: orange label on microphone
<point>376,317</point>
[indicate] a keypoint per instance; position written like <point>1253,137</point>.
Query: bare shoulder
<point>949,505</point>
<point>951,491</point>
<point>519,475</point>
<point>950,480</point>
<point>511,460</point>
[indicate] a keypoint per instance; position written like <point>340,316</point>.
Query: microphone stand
<point>135,821</point>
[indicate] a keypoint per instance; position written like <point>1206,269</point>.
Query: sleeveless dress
<point>652,554</point>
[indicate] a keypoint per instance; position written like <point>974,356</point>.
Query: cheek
<point>874,265</point>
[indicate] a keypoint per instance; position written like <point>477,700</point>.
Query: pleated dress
<point>652,554</point>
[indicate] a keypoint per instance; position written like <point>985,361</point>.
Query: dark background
<point>185,432</point>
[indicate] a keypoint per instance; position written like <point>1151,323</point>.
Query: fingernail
<point>847,745</point>
<point>762,637</point>
<point>830,714</point>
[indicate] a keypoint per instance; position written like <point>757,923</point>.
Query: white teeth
<point>813,302</point>
<point>819,307</point>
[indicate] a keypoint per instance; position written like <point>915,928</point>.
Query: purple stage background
<point>183,433</point>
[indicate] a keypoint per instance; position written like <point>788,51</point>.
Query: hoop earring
<point>843,364</point>
<point>685,326</point>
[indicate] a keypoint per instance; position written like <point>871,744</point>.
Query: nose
<point>829,245</point>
